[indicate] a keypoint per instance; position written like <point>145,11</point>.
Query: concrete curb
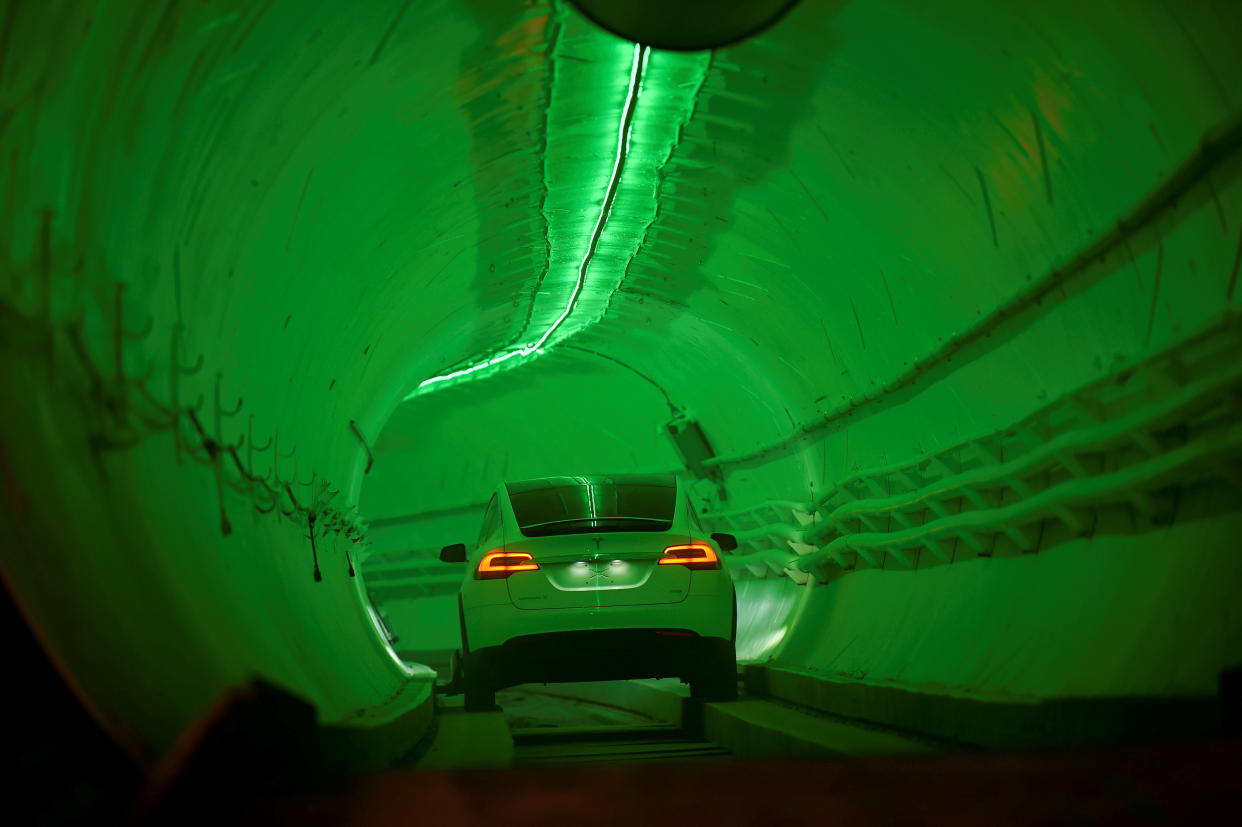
<point>762,729</point>
<point>993,723</point>
<point>378,736</point>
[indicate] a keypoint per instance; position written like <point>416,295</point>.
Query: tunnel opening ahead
<point>933,311</point>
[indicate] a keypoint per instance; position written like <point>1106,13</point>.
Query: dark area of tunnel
<point>102,776</point>
<point>55,756</point>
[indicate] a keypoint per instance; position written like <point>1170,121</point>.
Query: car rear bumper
<point>598,655</point>
<point>707,615</point>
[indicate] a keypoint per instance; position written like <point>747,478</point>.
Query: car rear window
<point>580,505</point>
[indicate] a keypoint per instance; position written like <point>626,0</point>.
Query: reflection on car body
<point>594,578</point>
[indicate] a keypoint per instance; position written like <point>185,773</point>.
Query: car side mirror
<point>727,542</point>
<point>455,553</point>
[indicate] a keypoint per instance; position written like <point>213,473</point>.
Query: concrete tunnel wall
<point>875,236</point>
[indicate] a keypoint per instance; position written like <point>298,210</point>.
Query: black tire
<point>717,678</point>
<point>733,628</point>
<point>480,698</point>
<point>468,675</point>
<point>455,681</point>
<point>480,694</point>
<point>461,619</point>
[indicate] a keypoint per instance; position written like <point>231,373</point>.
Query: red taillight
<point>691,555</point>
<point>501,563</point>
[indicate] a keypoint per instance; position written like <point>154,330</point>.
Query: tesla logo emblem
<point>599,571</point>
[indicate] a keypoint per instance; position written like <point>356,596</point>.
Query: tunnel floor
<point>552,725</point>
<point>544,725</point>
<point>620,742</point>
<point>532,707</point>
<point>642,721</point>
<point>654,743</point>
<point>629,752</point>
<point>1172,783</point>
<point>552,728</point>
<point>557,751</point>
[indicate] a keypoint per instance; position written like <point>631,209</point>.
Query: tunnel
<point>933,307</point>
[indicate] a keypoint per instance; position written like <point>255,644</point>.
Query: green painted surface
<point>337,203</point>
<point>1062,623</point>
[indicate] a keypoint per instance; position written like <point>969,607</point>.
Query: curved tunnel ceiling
<point>452,242</point>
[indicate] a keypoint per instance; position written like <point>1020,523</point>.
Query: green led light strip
<point>641,54</point>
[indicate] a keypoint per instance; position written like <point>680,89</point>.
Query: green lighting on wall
<point>637,64</point>
<point>574,290</point>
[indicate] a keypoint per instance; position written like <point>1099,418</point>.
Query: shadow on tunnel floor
<point>252,759</point>
<point>1172,783</point>
<point>57,761</point>
<point>231,776</point>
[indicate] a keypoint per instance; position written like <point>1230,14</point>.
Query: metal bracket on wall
<point>124,410</point>
<point>695,452</point>
<point>1120,440</point>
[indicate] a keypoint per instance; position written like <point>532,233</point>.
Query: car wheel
<point>480,695</point>
<point>733,628</point>
<point>479,698</point>
<point>717,678</point>
<point>455,682</point>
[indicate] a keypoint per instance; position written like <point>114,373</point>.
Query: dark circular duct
<point>685,25</point>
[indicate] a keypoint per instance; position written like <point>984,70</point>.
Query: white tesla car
<point>594,578</point>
